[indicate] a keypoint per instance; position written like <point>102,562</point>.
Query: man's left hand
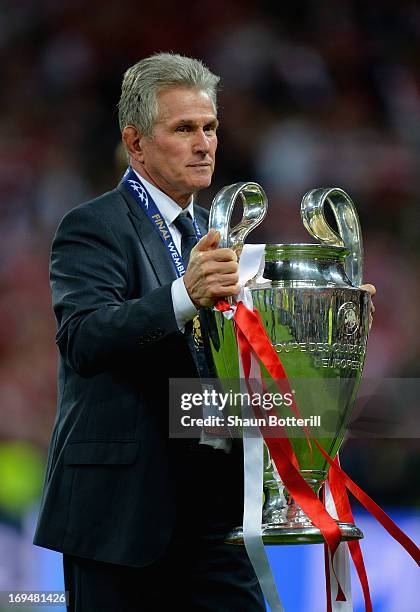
<point>372,291</point>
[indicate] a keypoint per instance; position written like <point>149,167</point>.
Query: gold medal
<point>196,330</point>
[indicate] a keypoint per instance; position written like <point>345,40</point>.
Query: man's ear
<point>132,139</point>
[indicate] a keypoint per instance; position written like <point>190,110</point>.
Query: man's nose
<point>201,142</point>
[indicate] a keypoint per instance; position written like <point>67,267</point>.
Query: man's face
<point>179,157</point>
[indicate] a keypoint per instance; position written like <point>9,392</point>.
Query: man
<point>140,518</point>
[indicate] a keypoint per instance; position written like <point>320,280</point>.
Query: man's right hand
<point>212,273</point>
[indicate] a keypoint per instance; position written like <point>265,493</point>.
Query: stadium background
<point>313,94</point>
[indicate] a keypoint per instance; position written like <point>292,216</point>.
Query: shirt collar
<point>168,208</point>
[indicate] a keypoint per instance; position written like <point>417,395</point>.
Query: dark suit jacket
<point>116,486</point>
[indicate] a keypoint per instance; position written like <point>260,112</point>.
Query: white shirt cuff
<point>184,309</point>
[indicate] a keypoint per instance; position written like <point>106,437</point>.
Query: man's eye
<point>183,128</point>
<point>210,128</point>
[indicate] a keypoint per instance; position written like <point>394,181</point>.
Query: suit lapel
<point>152,243</point>
<point>156,251</point>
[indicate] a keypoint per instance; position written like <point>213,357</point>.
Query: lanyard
<point>147,204</point>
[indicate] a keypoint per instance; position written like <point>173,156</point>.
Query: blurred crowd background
<point>312,94</point>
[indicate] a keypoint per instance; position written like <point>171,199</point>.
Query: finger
<point>370,288</point>
<point>209,241</point>
<point>216,267</point>
<point>222,254</point>
<point>227,291</point>
<point>226,280</point>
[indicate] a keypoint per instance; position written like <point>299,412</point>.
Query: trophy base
<point>276,534</point>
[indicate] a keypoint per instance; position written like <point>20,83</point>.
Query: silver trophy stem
<point>350,235</point>
<point>283,520</point>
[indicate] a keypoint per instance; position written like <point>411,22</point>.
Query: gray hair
<point>142,82</point>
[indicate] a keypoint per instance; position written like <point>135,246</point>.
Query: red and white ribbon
<point>341,574</point>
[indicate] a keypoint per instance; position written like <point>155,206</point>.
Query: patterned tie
<point>185,226</point>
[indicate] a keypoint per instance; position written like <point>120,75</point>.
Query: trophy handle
<point>349,236</point>
<point>255,205</point>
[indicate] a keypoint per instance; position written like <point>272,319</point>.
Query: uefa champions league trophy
<point>317,319</point>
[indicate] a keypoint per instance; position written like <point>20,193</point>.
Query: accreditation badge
<point>196,331</point>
